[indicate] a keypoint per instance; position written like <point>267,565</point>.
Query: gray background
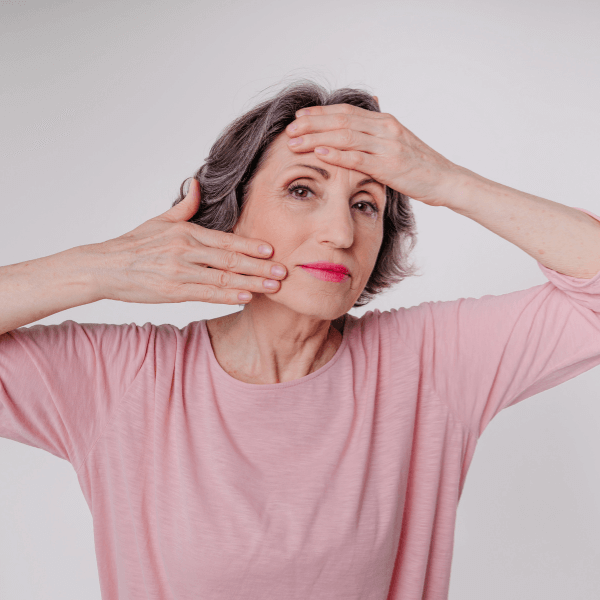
<point>106,107</point>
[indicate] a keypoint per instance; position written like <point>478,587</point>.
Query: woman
<point>291,450</point>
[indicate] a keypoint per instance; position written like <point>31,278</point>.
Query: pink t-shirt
<point>343,484</point>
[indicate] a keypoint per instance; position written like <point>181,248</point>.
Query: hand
<point>375,144</point>
<point>167,259</point>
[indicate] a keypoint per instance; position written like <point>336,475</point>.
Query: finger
<point>187,208</point>
<point>344,139</point>
<point>349,109</point>
<point>207,293</point>
<point>230,241</point>
<point>321,123</point>
<point>236,262</point>
<point>349,159</point>
<point>227,279</point>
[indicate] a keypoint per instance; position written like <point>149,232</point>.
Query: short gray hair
<point>241,150</point>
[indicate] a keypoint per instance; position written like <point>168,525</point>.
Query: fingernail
<point>271,283</point>
<point>322,150</point>
<point>295,141</point>
<point>303,111</point>
<point>293,127</point>
<point>277,271</point>
<point>263,249</point>
<point>244,296</point>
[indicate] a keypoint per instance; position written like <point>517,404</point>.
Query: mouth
<point>327,271</point>
<point>325,266</point>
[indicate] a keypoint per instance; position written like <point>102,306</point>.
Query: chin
<point>323,306</point>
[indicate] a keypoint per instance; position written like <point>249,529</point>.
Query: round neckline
<point>218,369</point>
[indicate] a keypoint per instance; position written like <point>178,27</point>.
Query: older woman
<point>290,450</point>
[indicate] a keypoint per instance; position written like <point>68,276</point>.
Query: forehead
<point>281,159</point>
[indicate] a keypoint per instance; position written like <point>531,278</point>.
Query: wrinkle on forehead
<point>281,158</point>
<point>326,175</point>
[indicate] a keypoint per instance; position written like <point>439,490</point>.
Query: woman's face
<point>310,211</point>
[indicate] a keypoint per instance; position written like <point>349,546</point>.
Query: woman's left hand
<point>378,145</point>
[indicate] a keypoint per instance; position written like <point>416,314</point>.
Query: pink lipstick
<point>327,271</point>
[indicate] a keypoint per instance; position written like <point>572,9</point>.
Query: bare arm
<point>35,289</point>
<point>561,238</point>
<point>165,259</point>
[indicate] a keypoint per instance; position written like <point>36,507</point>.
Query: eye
<point>297,186</point>
<point>374,210</point>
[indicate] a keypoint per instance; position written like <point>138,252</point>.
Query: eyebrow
<point>325,174</point>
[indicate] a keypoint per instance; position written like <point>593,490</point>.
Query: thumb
<point>186,208</point>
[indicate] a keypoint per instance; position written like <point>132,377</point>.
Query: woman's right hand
<point>166,259</point>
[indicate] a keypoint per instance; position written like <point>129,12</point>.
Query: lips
<point>327,271</point>
<point>325,266</point>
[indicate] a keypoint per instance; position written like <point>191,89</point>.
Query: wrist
<point>461,190</point>
<point>86,274</point>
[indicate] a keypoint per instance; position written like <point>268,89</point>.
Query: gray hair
<point>241,150</point>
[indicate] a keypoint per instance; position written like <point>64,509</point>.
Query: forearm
<point>35,289</point>
<point>561,238</point>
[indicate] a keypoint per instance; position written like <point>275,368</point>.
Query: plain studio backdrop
<point>106,107</point>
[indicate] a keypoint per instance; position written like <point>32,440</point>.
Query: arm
<point>35,289</point>
<point>162,260</point>
<point>60,384</point>
<point>561,238</point>
<point>478,355</point>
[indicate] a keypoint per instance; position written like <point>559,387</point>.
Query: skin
<point>290,333</point>
<point>293,332</point>
<point>287,335</point>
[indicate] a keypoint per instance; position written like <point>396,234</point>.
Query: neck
<point>267,342</point>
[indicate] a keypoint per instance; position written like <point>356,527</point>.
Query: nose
<point>336,225</point>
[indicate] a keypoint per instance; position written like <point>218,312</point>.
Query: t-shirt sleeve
<point>482,355</point>
<point>59,384</point>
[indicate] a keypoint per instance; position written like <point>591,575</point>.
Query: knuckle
<point>396,129</point>
<point>392,124</point>
<point>177,270</point>
<point>223,279</point>
<point>342,121</point>
<point>178,245</point>
<point>399,148</point>
<point>208,293</point>
<point>347,136</point>
<point>227,241</point>
<point>356,159</point>
<point>182,227</point>
<point>171,290</point>
<point>230,260</point>
<point>179,233</point>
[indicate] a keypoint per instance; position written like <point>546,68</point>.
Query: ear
<point>376,99</point>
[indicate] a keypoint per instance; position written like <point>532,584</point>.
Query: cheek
<point>278,224</point>
<point>372,243</point>
<point>371,253</point>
